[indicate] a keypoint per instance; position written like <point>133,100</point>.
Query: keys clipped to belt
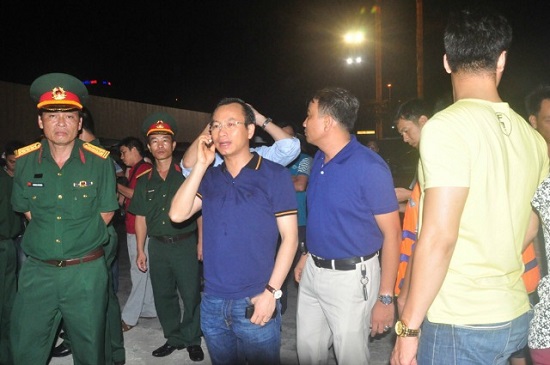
<point>364,281</point>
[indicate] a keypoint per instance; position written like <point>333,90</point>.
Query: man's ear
<point>40,123</point>
<point>422,120</point>
<point>251,129</point>
<point>446,64</point>
<point>328,121</point>
<point>501,62</point>
<point>533,121</point>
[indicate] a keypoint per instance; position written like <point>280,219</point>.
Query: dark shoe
<point>166,350</point>
<point>125,327</point>
<point>61,351</point>
<point>119,362</point>
<point>195,353</point>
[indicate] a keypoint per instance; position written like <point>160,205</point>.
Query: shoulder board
<point>144,173</point>
<point>27,149</point>
<point>98,151</point>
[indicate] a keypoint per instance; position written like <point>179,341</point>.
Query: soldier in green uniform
<point>114,341</point>
<point>172,247</point>
<point>66,189</point>
<point>10,227</point>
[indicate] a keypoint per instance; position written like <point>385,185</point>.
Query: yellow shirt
<point>501,159</point>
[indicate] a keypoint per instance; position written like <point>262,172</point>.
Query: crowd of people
<point>454,275</point>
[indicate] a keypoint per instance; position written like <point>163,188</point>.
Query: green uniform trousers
<point>8,267</point>
<point>114,340</point>
<point>175,268</point>
<point>47,293</point>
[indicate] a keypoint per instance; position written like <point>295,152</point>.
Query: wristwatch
<point>277,293</point>
<point>386,299</point>
<point>402,330</point>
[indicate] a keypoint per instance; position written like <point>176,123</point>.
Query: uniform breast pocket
<point>82,202</point>
<point>150,195</point>
<point>37,198</point>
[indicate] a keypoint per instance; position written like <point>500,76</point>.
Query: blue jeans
<point>232,339</point>
<point>472,344</point>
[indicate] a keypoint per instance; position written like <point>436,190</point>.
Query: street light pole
<point>419,50</point>
<point>378,67</point>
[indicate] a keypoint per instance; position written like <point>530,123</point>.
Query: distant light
<point>388,85</point>
<point>368,131</point>
<point>354,37</point>
<point>354,60</point>
<point>96,82</point>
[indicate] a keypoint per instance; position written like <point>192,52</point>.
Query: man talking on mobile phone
<point>246,202</point>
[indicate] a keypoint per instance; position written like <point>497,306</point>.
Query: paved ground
<point>147,335</point>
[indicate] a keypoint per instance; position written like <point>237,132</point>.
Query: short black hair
<point>88,121</point>
<point>534,100</point>
<point>412,110</point>
<point>340,104</point>
<point>475,38</point>
<point>249,117</point>
<point>133,142</point>
<point>12,146</point>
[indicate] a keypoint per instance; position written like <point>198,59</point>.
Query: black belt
<point>341,264</point>
<point>93,255</point>
<point>172,239</point>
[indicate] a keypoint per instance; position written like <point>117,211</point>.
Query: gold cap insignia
<point>58,93</point>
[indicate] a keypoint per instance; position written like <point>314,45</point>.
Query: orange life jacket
<point>408,238</point>
<point>531,274</point>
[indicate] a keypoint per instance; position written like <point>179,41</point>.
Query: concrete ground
<point>141,340</point>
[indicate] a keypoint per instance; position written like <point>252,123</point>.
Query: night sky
<point>274,54</point>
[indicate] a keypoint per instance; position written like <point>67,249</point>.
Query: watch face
<point>277,294</point>
<point>399,328</point>
<point>386,299</point>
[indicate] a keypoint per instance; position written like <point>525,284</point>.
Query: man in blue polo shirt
<point>352,214</point>
<point>246,203</point>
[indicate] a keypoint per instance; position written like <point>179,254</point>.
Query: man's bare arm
<point>107,216</point>
<point>442,210</point>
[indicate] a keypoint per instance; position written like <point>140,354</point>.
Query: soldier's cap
<point>159,123</point>
<point>58,92</point>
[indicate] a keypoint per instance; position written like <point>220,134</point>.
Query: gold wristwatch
<point>402,330</point>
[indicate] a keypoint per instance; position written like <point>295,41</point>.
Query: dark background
<point>272,53</point>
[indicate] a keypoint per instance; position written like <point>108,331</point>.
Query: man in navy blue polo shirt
<point>352,214</point>
<point>246,203</point>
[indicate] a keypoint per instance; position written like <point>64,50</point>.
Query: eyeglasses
<point>229,126</point>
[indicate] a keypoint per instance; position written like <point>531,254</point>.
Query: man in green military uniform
<point>66,189</point>
<point>172,247</point>
<point>114,341</point>
<point>10,227</point>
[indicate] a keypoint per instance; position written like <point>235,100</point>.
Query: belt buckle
<point>61,263</point>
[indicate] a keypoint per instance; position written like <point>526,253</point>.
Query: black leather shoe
<point>166,350</point>
<point>61,350</point>
<point>123,362</point>
<point>195,353</point>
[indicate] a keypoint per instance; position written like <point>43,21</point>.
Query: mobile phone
<point>249,311</point>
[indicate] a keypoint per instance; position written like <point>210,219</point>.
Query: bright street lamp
<point>356,37</point>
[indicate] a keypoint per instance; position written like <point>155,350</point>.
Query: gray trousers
<point>332,311</point>
<point>140,302</point>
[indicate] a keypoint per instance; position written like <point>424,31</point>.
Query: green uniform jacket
<point>66,203</point>
<point>152,199</point>
<point>10,222</point>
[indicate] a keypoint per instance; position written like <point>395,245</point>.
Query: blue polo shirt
<point>343,196</point>
<point>240,231</point>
